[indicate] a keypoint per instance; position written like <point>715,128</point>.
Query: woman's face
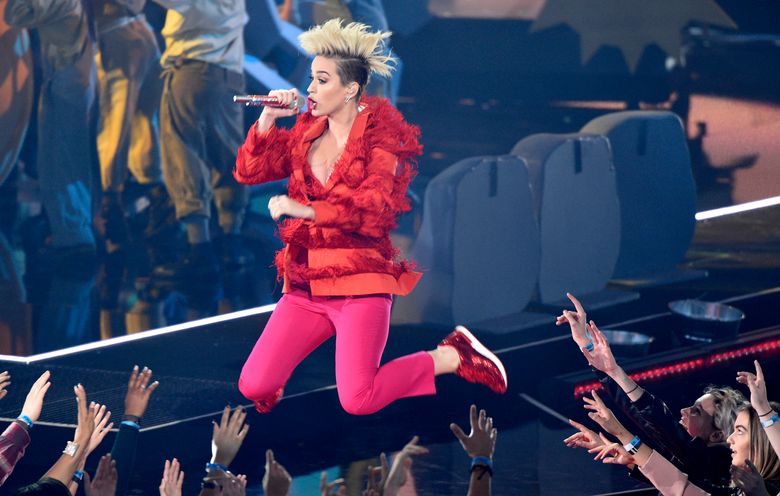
<point>739,440</point>
<point>326,91</point>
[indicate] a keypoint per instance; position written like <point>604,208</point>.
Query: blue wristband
<point>217,466</point>
<point>633,446</point>
<point>481,460</point>
<point>770,421</point>
<point>589,347</point>
<point>131,424</point>
<point>78,475</point>
<point>27,420</point>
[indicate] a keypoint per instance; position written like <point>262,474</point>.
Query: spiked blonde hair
<point>358,51</point>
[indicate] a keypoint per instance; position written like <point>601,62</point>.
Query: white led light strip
<point>735,209</point>
<point>141,335</point>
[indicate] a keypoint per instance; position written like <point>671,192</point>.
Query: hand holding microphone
<point>285,104</point>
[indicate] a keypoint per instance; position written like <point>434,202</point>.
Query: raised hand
<point>86,417</point>
<point>577,321</point>
<point>335,488</point>
<point>139,391</point>
<point>287,99</point>
<point>172,479</point>
<point>610,452</point>
<point>235,485</point>
<point>748,479</point>
<point>228,436</point>
<point>585,438</point>
<point>5,381</point>
<point>104,483</point>
<point>101,429</point>
<point>377,476</point>
<point>33,404</point>
<point>402,464</point>
<point>276,481</point>
<point>757,385</point>
<point>481,441</point>
<point>601,357</point>
<point>602,415</point>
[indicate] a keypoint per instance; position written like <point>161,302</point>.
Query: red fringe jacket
<point>346,250</point>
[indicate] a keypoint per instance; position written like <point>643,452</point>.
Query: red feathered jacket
<point>346,250</point>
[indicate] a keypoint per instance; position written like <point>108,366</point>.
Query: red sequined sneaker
<point>268,404</point>
<point>477,363</point>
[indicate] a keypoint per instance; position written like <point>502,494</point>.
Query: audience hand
<point>139,391</point>
<point>276,481</point>
<point>228,436</point>
<point>577,321</point>
<point>482,439</point>
<point>172,479</point>
<point>402,464</point>
<point>377,476</point>
<point>603,415</point>
<point>748,479</point>
<point>33,404</point>
<point>86,417</point>
<point>327,488</point>
<point>757,385</point>
<point>586,438</point>
<point>613,453</point>
<point>236,486</point>
<point>101,429</point>
<point>5,381</point>
<point>104,483</point>
<point>601,357</point>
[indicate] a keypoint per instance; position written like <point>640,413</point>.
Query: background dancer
<point>349,162</point>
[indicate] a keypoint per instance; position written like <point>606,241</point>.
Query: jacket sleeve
<point>13,442</point>
<point>33,13</point>
<point>123,453</point>
<point>371,208</point>
<point>264,156</point>
<point>668,479</point>
<point>655,419</point>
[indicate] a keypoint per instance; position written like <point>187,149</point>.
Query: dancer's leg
<point>296,327</point>
<point>364,387</point>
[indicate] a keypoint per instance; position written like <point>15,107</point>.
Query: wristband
<point>217,466</point>
<point>78,475</point>
<point>27,420</point>
<point>589,347</point>
<point>770,421</point>
<point>131,424</point>
<point>483,463</point>
<point>765,414</point>
<point>633,446</point>
<point>633,389</point>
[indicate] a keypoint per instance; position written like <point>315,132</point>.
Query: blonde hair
<point>358,52</point>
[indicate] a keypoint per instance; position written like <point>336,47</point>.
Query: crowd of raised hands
<point>390,477</point>
<point>720,445</point>
<point>386,479</point>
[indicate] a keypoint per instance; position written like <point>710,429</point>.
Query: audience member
<point>480,445</point>
<point>695,443</point>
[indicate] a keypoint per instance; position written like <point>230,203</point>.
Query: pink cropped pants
<point>301,322</point>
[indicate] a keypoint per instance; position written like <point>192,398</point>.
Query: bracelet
<point>633,446</point>
<point>767,413</point>
<point>482,460</point>
<point>27,420</point>
<point>71,448</point>
<point>770,421</point>
<point>78,475</point>
<point>589,347</point>
<point>634,389</point>
<point>217,466</point>
<point>132,418</point>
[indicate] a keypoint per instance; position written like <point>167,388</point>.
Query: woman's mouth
<point>311,103</point>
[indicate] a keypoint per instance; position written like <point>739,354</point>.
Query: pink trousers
<point>301,322</point>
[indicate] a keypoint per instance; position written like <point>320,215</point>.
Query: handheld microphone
<point>267,101</point>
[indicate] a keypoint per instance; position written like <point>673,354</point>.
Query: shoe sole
<point>482,350</point>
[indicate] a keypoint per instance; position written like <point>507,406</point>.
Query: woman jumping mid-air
<point>349,160</point>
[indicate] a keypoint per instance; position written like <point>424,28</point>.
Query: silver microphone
<point>267,101</point>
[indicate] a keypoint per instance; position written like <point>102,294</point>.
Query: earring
<point>347,99</point>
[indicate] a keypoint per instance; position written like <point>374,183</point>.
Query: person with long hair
<point>349,160</point>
